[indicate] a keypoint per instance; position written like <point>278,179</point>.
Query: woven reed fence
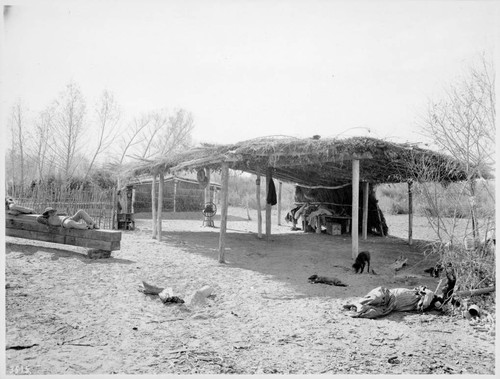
<point>98,203</point>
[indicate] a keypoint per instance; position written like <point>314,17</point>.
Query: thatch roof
<point>317,162</point>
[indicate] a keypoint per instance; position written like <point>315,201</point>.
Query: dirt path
<point>67,314</point>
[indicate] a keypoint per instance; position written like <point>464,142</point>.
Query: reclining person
<point>80,220</point>
<point>14,209</point>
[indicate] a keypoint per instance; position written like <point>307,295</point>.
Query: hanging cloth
<point>271,194</point>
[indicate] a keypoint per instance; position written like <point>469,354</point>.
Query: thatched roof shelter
<point>316,162</point>
<point>311,162</point>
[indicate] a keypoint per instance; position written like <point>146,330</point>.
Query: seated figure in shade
<point>14,209</point>
<point>80,220</point>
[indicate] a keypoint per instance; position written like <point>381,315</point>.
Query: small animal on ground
<point>326,280</point>
<point>361,261</point>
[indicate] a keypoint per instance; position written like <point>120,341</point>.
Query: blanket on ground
<point>381,301</point>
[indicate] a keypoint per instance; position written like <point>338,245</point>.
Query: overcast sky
<point>250,68</point>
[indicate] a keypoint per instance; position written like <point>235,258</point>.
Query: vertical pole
<point>208,194</point>
<point>318,224</point>
<point>132,209</point>
<point>355,206</point>
<point>153,205</point>
<point>472,200</point>
<point>259,210</point>
<point>223,220</point>
<point>113,208</point>
<point>269,177</point>
<point>175,194</point>
<point>160,205</point>
<point>366,189</point>
<point>410,213</point>
<point>279,202</point>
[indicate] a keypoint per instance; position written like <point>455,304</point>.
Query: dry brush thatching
<point>316,162</point>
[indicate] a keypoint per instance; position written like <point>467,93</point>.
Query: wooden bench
<point>99,242</point>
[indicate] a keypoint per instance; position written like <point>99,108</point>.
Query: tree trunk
<point>475,232</point>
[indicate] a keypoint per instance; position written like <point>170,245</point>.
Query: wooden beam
<point>410,213</point>
<point>366,189</point>
<point>29,222</point>
<point>223,220</point>
<point>355,206</point>
<point>279,202</point>
<point>66,240</point>
<point>259,210</point>
<point>160,206</point>
<point>204,162</point>
<point>153,205</point>
<point>26,226</point>
<point>269,177</point>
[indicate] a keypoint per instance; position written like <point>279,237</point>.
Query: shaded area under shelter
<point>311,163</point>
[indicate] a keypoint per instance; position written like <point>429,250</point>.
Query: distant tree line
<point>71,143</point>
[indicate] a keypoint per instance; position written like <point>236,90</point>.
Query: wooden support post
<point>366,189</point>
<point>269,177</point>
<point>133,201</point>
<point>223,220</point>
<point>175,194</point>
<point>259,210</point>
<point>355,206</point>
<point>208,193</point>
<point>279,202</point>
<point>114,210</point>
<point>410,213</point>
<point>160,206</point>
<point>153,205</point>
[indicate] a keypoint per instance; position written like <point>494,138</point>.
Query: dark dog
<point>326,280</point>
<point>362,259</point>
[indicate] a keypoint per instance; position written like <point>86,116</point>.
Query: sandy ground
<point>68,314</point>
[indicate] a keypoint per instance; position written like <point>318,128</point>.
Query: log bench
<point>99,242</point>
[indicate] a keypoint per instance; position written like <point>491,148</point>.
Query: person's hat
<point>47,211</point>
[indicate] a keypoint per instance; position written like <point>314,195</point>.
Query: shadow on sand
<point>57,253</point>
<point>292,258</point>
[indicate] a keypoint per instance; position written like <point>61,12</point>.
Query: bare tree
<point>107,116</point>
<point>157,122</point>
<point>177,134</point>
<point>133,136</point>
<point>42,140</point>
<point>463,125</point>
<point>18,121</point>
<point>156,133</point>
<point>68,124</point>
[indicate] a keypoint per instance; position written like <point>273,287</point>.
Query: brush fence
<point>97,202</point>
